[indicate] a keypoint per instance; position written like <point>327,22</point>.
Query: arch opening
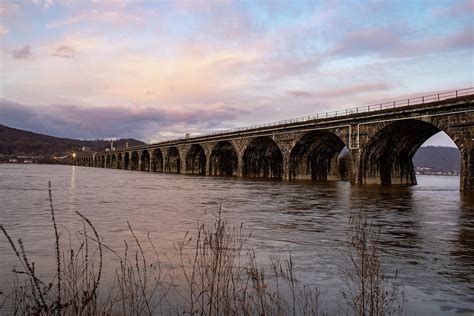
<point>263,159</point>
<point>107,161</point>
<point>388,158</point>
<point>173,161</point>
<point>224,160</point>
<point>196,160</point>
<point>344,162</point>
<point>134,161</point>
<point>316,157</point>
<point>145,161</point>
<point>126,161</point>
<point>113,161</point>
<point>438,155</point>
<point>157,161</point>
<point>102,161</point>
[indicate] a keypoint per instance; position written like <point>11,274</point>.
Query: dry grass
<point>369,291</point>
<point>224,279</point>
<point>216,274</point>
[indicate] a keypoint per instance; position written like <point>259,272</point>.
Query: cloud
<point>3,29</point>
<point>462,39</point>
<point>372,40</point>
<point>346,91</point>
<point>43,3</point>
<point>7,9</point>
<point>459,8</point>
<point>22,53</point>
<point>64,51</point>
<point>96,16</point>
<point>279,68</point>
<point>301,94</point>
<point>391,42</point>
<point>115,121</point>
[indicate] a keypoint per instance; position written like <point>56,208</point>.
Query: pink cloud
<point>463,39</point>
<point>7,9</point>
<point>390,41</point>
<point>277,68</point>
<point>375,40</point>
<point>22,53</point>
<point>337,92</point>
<point>64,51</point>
<point>96,16</point>
<point>458,9</point>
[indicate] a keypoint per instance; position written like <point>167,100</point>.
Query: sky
<point>155,70</point>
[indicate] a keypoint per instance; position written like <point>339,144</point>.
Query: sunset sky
<point>158,69</point>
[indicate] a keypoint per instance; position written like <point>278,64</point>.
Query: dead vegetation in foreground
<point>216,275</point>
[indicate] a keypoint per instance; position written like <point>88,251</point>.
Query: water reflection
<point>392,208</point>
<point>464,243</point>
<point>72,189</point>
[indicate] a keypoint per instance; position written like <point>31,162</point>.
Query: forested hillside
<point>15,142</point>
<point>432,159</point>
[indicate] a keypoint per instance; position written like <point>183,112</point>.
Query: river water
<point>427,231</point>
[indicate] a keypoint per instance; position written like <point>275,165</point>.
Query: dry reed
<point>369,290</point>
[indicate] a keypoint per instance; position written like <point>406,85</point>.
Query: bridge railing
<point>361,109</point>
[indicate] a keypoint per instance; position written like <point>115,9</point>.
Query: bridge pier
<point>240,166</point>
<point>286,166</point>
<point>467,169</point>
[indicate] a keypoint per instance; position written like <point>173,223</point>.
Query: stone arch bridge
<point>380,141</point>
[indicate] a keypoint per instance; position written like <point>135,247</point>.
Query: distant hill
<point>438,159</point>
<point>16,142</point>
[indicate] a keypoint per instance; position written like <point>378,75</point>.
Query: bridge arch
<point>157,160</point>
<point>145,161</point>
<point>134,160</point>
<point>387,156</point>
<point>224,160</point>
<point>107,161</point>
<point>315,157</point>
<point>196,160</point>
<point>102,161</point>
<point>263,159</point>
<point>173,161</point>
